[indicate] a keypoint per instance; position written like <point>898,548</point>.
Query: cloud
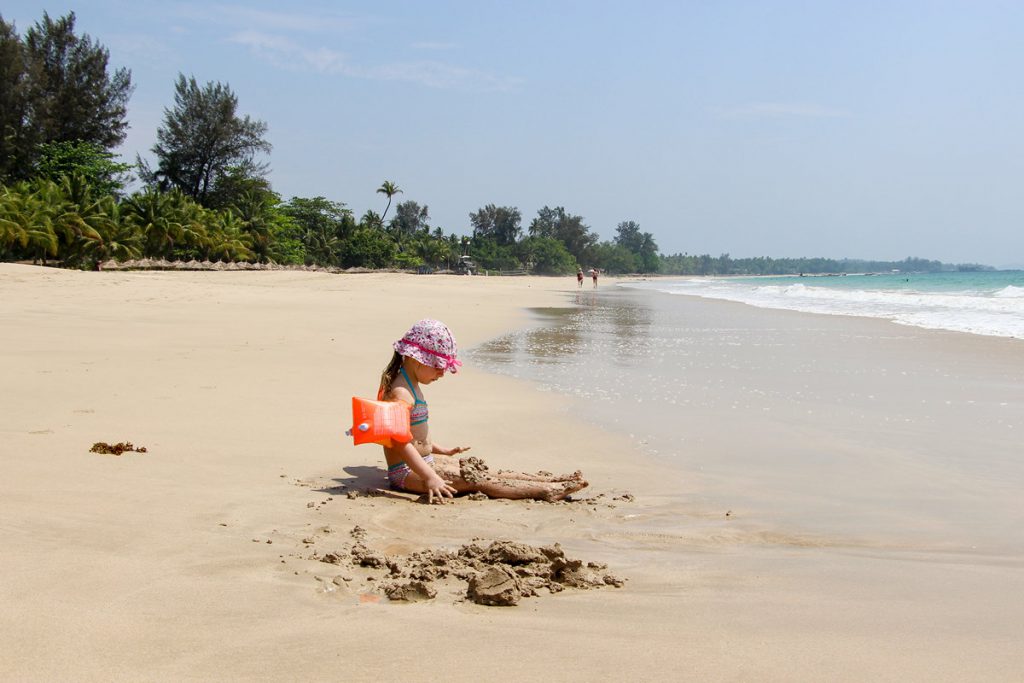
<point>283,38</point>
<point>257,19</point>
<point>438,75</point>
<point>778,110</point>
<point>287,53</point>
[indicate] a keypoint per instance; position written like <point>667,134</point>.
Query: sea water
<point>984,302</point>
<point>798,424</point>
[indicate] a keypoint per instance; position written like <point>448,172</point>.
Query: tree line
<point>705,264</point>
<point>63,194</point>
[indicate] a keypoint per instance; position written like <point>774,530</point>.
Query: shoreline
<point>240,389</point>
<point>835,391</point>
<point>970,308</point>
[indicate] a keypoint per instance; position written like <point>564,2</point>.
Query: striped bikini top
<point>419,412</point>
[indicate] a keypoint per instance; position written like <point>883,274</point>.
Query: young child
<point>422,356</point>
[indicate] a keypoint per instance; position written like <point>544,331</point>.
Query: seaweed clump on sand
<point>118,448</point>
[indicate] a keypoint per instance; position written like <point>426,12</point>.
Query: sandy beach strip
<point>195,559</point>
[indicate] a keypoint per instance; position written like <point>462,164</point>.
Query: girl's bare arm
<point>440,450</point>
<point>435,485</point>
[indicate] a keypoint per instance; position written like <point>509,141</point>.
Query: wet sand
<point>202,557</point>
<point>878,432</point>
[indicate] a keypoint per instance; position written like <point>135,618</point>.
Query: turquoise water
<point>986,303</point>
<point>979,283</point>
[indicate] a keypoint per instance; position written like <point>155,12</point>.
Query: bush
<point>547,256</point>
<point>368,248</point>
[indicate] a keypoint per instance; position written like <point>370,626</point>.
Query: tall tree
<point>500,222</point>
<point>73,96</point>
<point>410,218</point>
<point>390,189</point>
<point>566,228</point>
<point>16,137</point>
<point>202,138</point>
<point>628,236</point>
<point>55,88</point>
<point>321,226</point>
<point>640,244</point>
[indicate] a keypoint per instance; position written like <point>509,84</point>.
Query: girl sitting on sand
<point>422,356</point>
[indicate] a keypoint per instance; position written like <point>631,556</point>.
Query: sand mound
<point>500,573</point>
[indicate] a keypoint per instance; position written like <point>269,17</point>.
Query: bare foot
<point>561,490</point>
<point>575,476</point>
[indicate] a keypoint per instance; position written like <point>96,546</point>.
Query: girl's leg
<point>496,486</point>
<point>541,476</point>
<point>453,463</point>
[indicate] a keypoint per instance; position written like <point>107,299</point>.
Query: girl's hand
<point>453,451</point>
<point>437,488</point>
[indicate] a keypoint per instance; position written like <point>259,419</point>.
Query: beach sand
<point>201,557</point>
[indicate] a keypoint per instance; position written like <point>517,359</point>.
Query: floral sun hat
<point>431,343</point>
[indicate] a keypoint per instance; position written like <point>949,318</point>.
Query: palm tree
<point>255,209</point>
<point>11,230</point>
<point>370,219</point>
<point>153,213</point>
<point>120,242</point>
<point>25,223</point>
<point>390,189</point>
<point>228,240</point>
<point>91,216</point>
<point>63,216</point>
<point>168,221</point>
<point>322,246</point>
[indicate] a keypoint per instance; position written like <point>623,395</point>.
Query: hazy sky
<point>841,129</point>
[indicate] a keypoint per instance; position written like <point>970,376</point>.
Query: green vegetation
<point>687,264</point>
<point>54,88</point>
<point>203,143</point>
<point>63,199</point>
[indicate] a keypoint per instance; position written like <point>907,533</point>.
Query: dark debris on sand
<point>118,448</point>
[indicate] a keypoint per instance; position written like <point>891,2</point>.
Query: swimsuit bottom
<point>398,473</point>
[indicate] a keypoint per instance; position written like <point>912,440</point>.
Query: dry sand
<point>202,558</point>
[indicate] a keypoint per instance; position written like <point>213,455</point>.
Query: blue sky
<point>840,129</point>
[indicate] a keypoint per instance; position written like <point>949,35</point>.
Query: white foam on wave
<point>997,314</point>
<point>1010,292</point>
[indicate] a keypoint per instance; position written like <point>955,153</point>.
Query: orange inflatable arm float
<point>380,422</point>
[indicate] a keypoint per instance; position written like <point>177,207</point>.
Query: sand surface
<point>202,558</point>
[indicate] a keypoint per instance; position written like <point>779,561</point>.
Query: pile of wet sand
<point>500,573</point>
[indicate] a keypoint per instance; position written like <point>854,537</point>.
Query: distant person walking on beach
<point>579,276</point>
<point>593,274</point>
<point>422,356</point>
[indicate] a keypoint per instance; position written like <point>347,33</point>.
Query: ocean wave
<point>1010,292</point>
<point>999,313</point>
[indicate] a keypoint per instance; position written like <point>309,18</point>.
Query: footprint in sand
<point>42,431</point>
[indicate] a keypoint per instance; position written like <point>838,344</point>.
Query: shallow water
<point>821,429</point>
